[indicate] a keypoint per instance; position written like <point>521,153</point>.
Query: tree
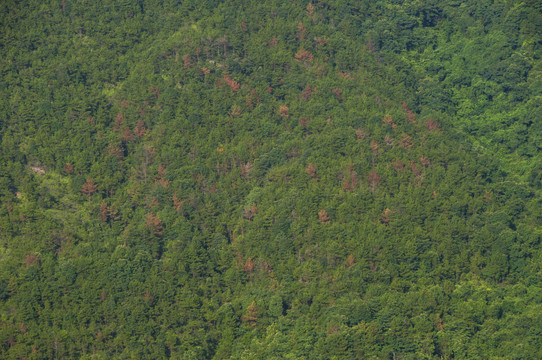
<point>405,141</point>
<point>154,223</point>
<point>306,94</point>
<point>432,125</point>
<point>323,218</point>
<point>68,168</point>
<point>311,170</point>
<point>350,260</point>
<point>303,56</point>
<point>249,265</point>
<point>103,211</point>
<point>374,147</point>
<point>252,99</point>
<point>283,111</point>
<point>89,188</point>
<point>139,130</point>
<point>389,121</point>
<point>310,10</point>
<point>374,180</point>
<point>252,314</point>
<point>177,203</point>
<point>386,216</point>
<point>350,179</point>
<point>234,85</point>
<point>338,93</point>
<point>187,61</point>
<point>118,122</point>
<point>301,32</point>
<point>410,115</point>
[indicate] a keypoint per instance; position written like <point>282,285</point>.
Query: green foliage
<point>276,180</point>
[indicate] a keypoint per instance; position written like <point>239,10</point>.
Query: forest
<point>323,179</point>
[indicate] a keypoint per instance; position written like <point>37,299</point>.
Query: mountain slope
<point>240,180</point>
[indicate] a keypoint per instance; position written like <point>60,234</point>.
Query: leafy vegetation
<point>239,180</point>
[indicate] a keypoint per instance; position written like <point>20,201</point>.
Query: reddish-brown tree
<point>104,214</point>
<point>140,130</point>
<point>350,261</point>
<point>161,170</point>
<point>187,61</point>
<point>386,216</point>
<point>303,56</point>
<point>410,115</point>
<point>118,122</point>
<point>68,168</point>
<point>252,99</point>
<point>154,203</point>
<point>321,41</point>
<point>350,180</point>
<point>283,111</point>
<point>405,141</point>
<point>127,135</point>
<point>310,10</point>
<point>311,170</point>
<point>89,188</point>
<point>360,134</point>
<point>234,85</point>
<point>424,161</point>
<point>148,297</point>
<point>323,217</point>
<point>301,31</point>
<point>155,91</point>
<point>415,169</point>
<point>154,223</point>
<point>306,94</point>
<point>338,93</point>
<point>177,204</point>
<point>249,265</point>
<point>31,259</point>
<point>432,125</point>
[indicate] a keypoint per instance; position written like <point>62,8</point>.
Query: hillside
<point>271,180</point>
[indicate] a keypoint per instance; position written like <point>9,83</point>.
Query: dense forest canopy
<point>271,180</point>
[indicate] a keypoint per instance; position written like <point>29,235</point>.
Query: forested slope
<point>239,180</point>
